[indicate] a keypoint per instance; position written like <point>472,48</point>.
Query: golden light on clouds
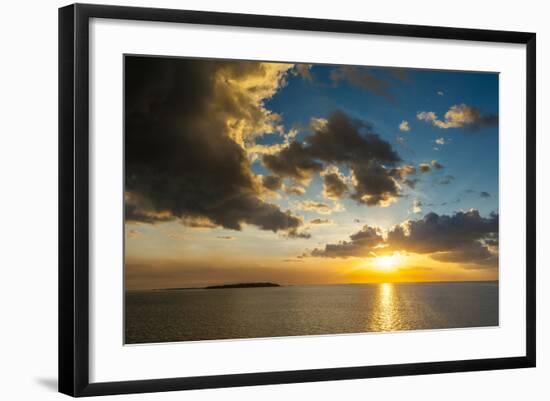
<point>245,87</point>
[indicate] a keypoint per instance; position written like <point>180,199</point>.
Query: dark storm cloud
<point>334,186</point>
<point>346,141</point>
<point>475,252</point>
<point>139,210</point>
<point>361,243</point>
<point>464,237</point>
<point>272,182</point>
<point>374,186</point>
<point>436,233</point>
<point>181,162</point>
<point>293,162</point>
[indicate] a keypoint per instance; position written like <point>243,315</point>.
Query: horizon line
<point>312,284</point>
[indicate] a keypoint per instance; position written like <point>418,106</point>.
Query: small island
<point>221,286</point>
<point>241,285</point>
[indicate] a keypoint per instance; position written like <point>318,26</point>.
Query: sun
<point>387,263</point>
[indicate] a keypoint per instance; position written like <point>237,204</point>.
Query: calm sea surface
<point>197,314</point>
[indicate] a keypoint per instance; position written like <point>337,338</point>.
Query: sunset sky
<point>240,171</point>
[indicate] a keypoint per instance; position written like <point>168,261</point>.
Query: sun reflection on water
<point>386,315</point>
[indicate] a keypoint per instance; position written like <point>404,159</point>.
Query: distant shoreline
<point>221,286</point>
<point>271,285</point>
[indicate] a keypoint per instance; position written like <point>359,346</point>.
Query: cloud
<point>411,182</point>
<point>133,233</point>
<point>319,207</point>
<point>427,167</point>
<point>446,180</point>
<point>272,182</point>
<point>294,189</point>
<point>416,206</point>
<point>458,116</point>
<point>294,162</point>
<point>402,174</point>
<point>440,234</point>
<point>197,222</point>
<point>472,252</point>
<point>320,222</point>
<point>255,151</point>
<point>139,209</point>
<point>304,70</point>
<point>341,140</point>
<point>188,123</point>
<point>404,126</point>
<point>440,141</point>
<point>464,237</point>
<point>403,171</point>
<point>334,183</point>
<point>484,194</point>
<point>361,244</point>
<point>374,185</point>
<point>426,116</point>
<point>363,78</point>
<point>424,167</point>
<point>435,164</point>
<point>440,93</point>
<point>297,234</point>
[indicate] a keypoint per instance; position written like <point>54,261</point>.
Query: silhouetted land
<point>217,287</point>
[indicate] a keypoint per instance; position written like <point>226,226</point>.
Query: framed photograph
<point>250,200</point>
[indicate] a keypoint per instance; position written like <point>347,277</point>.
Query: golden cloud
<point>459,115</point>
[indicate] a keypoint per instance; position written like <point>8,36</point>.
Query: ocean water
<point>201,314</point>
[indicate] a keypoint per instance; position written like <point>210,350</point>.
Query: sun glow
<point>388,263</point>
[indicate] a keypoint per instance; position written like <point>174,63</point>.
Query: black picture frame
<point>74,201</point>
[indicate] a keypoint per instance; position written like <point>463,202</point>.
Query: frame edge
<point>73,266</point>
<point>66,305</point>
<point>531,201</point>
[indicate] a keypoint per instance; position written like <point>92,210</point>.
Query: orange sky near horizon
<point>215,266</point>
